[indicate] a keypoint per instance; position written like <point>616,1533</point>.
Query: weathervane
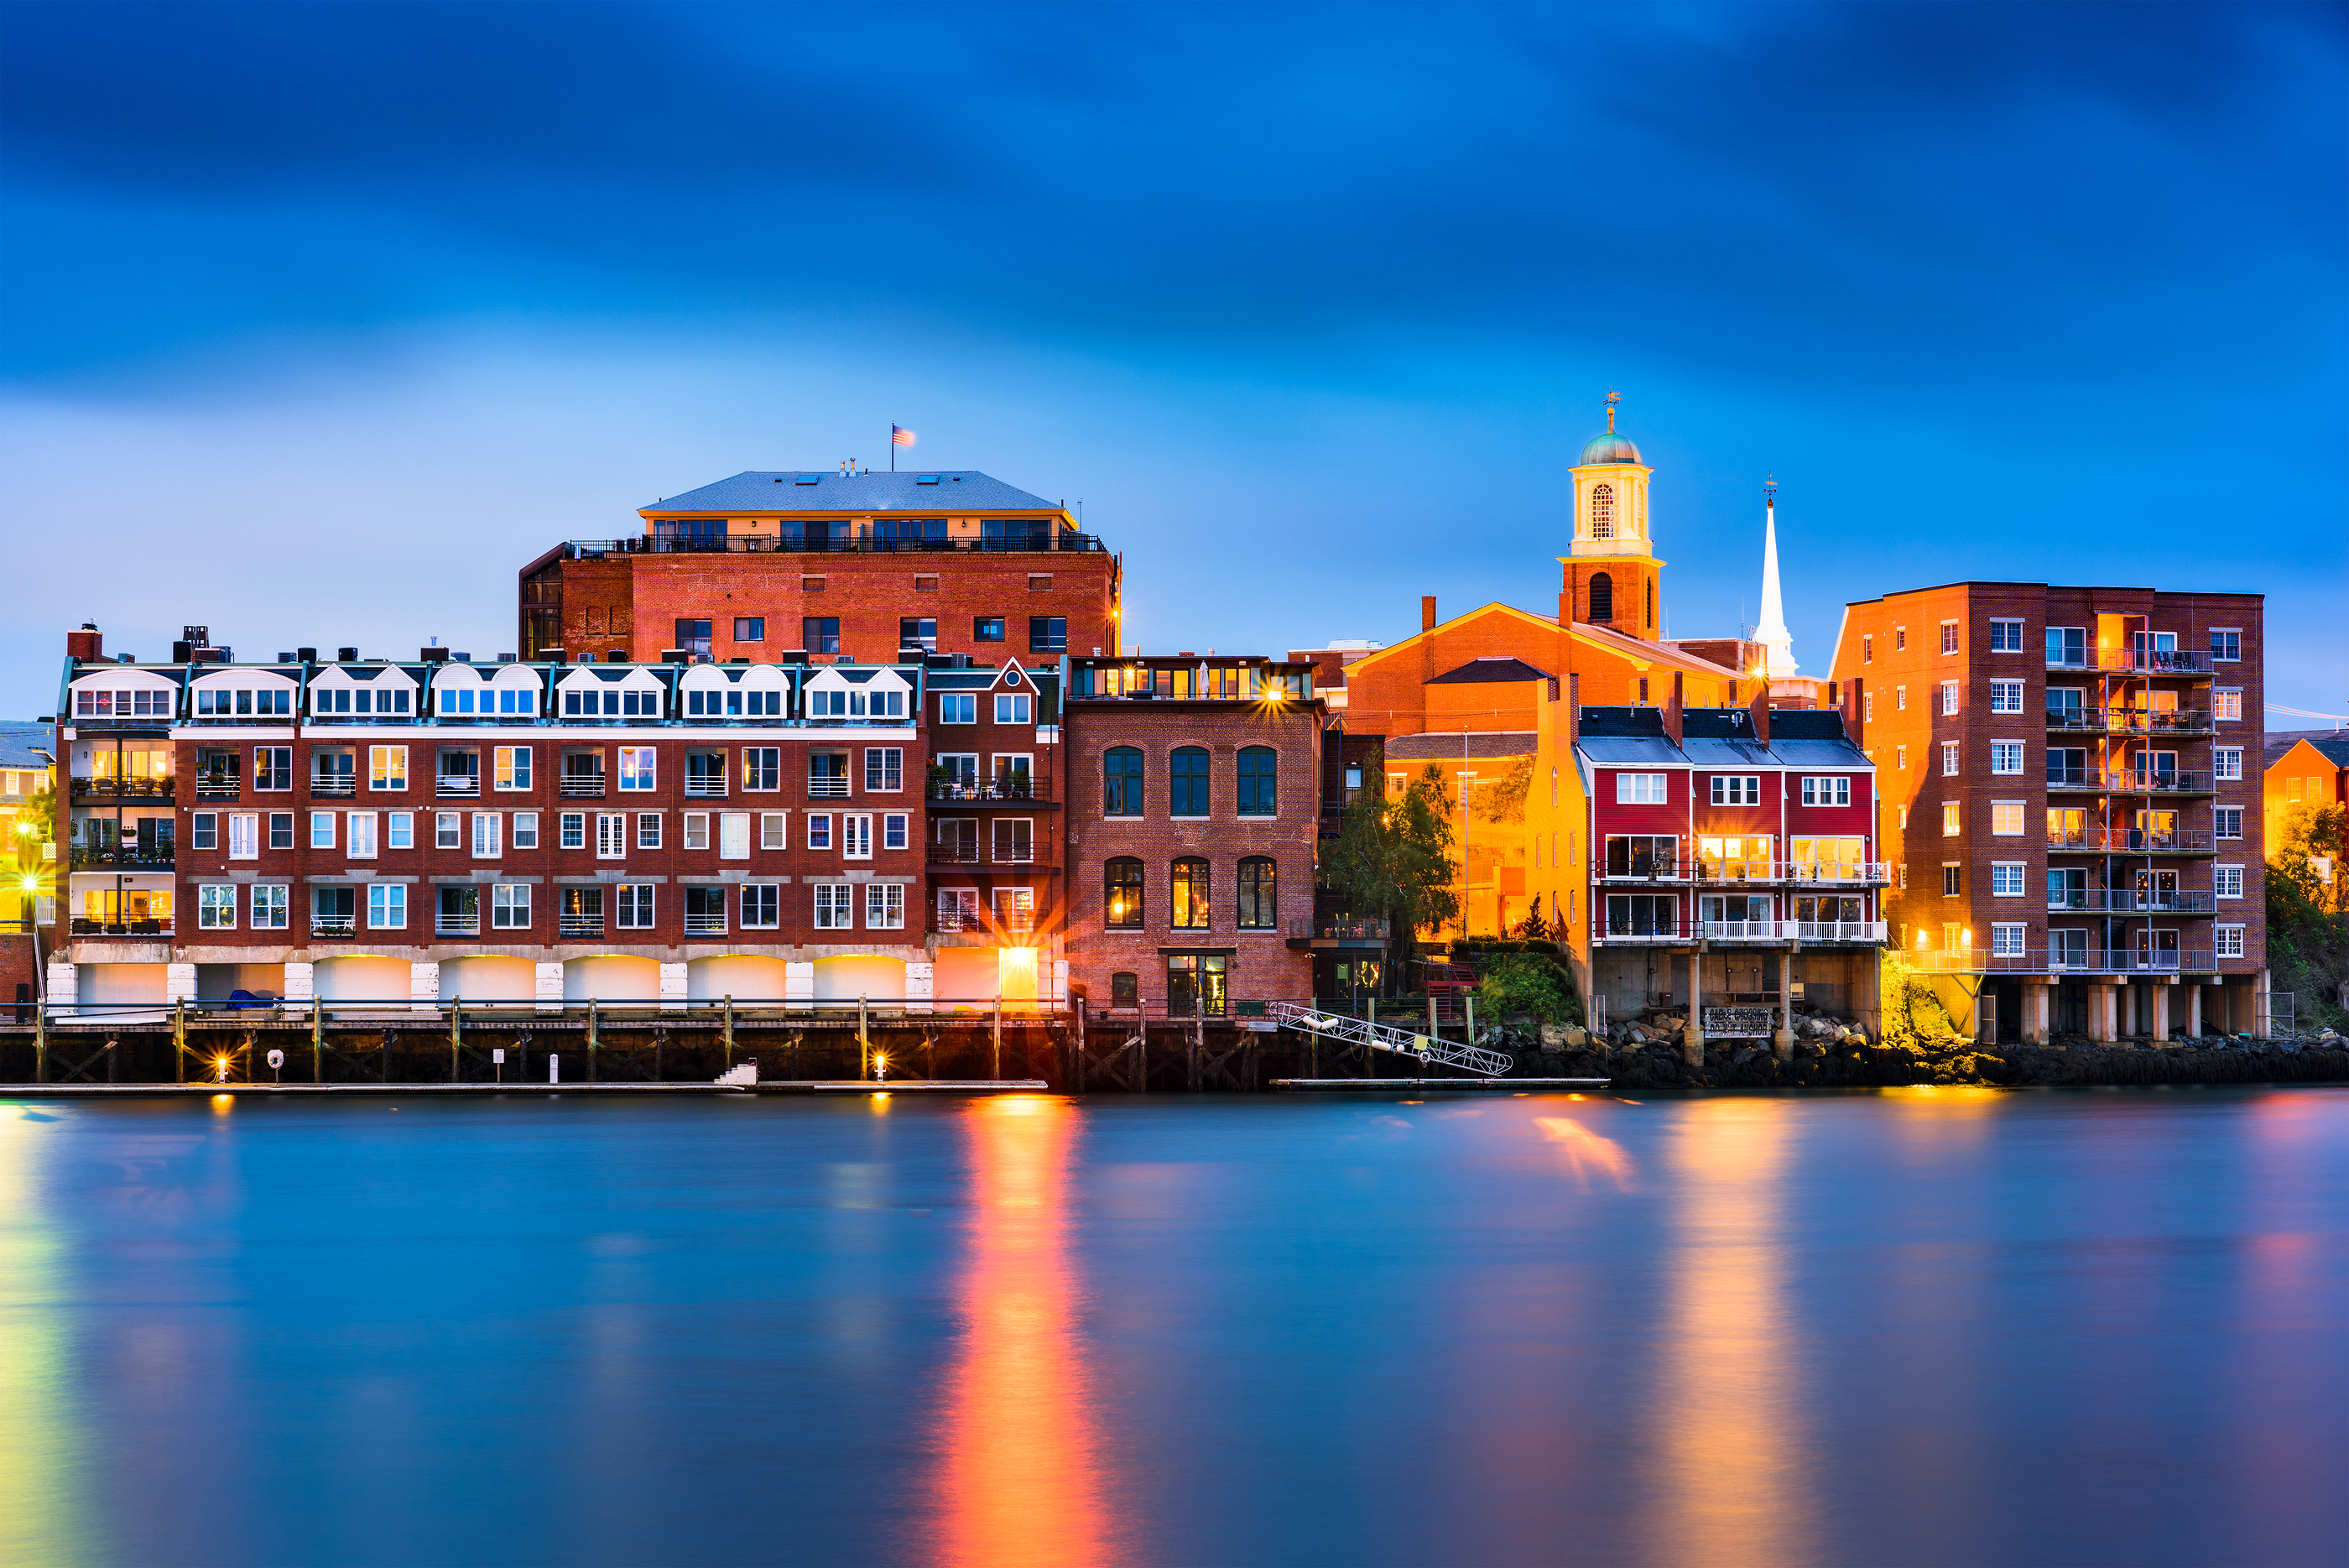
<point>1611,400</point>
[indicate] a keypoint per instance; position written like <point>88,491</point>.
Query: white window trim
<point>524,822</point>
<point>695,832</point>
<point>781,822</point>
<point>1949,699</point>
<point>2021,758</point>
<point>252,834</point>
<point>358,845</point>
<point>743,851</point>
<point>2215,880</point>
<point>2218,943</point>
<point>2022,869</point>
<point>2021,817</point>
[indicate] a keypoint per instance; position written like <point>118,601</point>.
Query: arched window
<point>1259,897</point>
<point>1121,781</point>
<point>1190,890</point>
<point>1124,989</point>
<point>1259,781</point>
<point>1187,781</point>
<point>1122,894</point>
<point>1602,512</point>
<point>1602,597</point>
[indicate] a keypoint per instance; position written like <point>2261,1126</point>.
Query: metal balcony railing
<point>2163,781</point>
<point>1841,873</point>
<point>456,926</point>
<point>1746,931</point>
<point>81,926</point>
<point>827,787</point>
<point>580,926</point>
<point>705,788</point>
<point>2066,961</point>
<point>2129,720</point>
<point>953,854</point>
<point>457,786</point>
<point>122,789</point>
<point>705,925</point>
<point>2099,902</point>
<point>1360,928</point>
<point>216,788</point>
<point>1642,870</point>
<point>124,857</point>
<point>582,786</point>
<point>1840,930</point>
<point>336,785</point>
<point>1018,790</point>
<point>2183,661</point>
<point>332,926</point>
<point>2131,840</point>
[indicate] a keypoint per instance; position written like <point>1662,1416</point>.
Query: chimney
<point>1761,712</point>
<point>1672,710</point>
<point>86,644</point>
<point>1573,711</point>
<point>1427,612</point>
<point>1854,708</point>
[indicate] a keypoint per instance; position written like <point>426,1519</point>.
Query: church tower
<point>1612,576</point>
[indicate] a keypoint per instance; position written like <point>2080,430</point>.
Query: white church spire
<point>1777,642</point>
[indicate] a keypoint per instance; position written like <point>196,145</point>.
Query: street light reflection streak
<point>1587,1154</point>
<point>1021,1481</point>
<point>1729,1389</point>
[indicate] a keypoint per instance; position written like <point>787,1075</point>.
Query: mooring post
<point>1077,1068</point>
<point>728,1035</point>
<point>456,1035</point>
<point>996,1069</point>
<point>317,1043</point>
<point>179,1039</point>
<point>863,1043</point>
<point>41,1041</point>
<point>1199,1044</point>
<point>591,1039</point>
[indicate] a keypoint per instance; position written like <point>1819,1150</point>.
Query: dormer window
<point>1602,512</point>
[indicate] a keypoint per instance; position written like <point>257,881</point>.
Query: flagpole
<point>893,449</point>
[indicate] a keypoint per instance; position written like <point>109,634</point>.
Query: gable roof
<point>24,745</point>
<point>1490,667</point>
<point>2332,745</point>
<point>770,489</point>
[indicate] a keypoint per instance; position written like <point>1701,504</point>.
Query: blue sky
<point>321,320</point>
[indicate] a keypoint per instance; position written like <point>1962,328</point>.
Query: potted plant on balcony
<point>1015,784</point>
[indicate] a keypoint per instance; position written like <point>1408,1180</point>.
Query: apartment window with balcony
<point>387,905</point>
<point>511,767</point>
<point>836,906</point>
<point>2227,941</point>
<point>2006,696</point>
<point>1047,634</point>
<point>510,906</point>
<point>2006,818</point>
<point>1122,894</point>
<point>1015,909</point>
<point>820,633</point>
<point>705,774</point>
<point>460,773</point>
<point>2006,938</point>
<point>884,768</point>
<point>774,830</point>
<point>1259,894</point>
<point>987,629</point>
<point>2226,645</point>
<point>1642,789</point>
<point>1948,758</point>
<point>884,906</point>
<point>216,907</point>
<point>1737,789</point>
<point>1642,914</point>
<point>819,830</point>
<point>2006,756</point>
<point>1954,880</point>
<point>2067,647</point>
<point>1259,780</point>
<point>2006,636</point>
<point>1641,853</point>
<point>2225,881</point>
<point>1826,791</point>
<point>2006,879</point>
<point>2228,821</point>
<point>2226,762</point>
<point>1949,824</point>
<point>762,903</point>
<point>1015,839</point>
<point>611,835</point>
<point>1190,901</point>
<point>459,912</point>
<point>1186,781</point>
<point>705,911</point>
<point>1949,636</point>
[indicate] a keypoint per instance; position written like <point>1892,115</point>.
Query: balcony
<point>1640,870</point>
<point>1848,932</point>
<point>329,927</point>
<point>87,927</point>
<point>211,786</point>
<point>705,925</point>
<point>456,926</point>
<point>2129,721</point>
<point>1017,791</point>
<point>1642,934</point>
<point>955,855</point>
<point>703,789</point>
<point>580,926</point>
<point>457,786</point>
<point>337,786</point>
<point>1338,931</point>
<point>2163,781</point>
<point>1745,931</point>
<point>827,787</point>
<point>2099,902</point>
<point>2076,778</point>
<point>122,857</point>
<point>1839,873</point>
<point>582,786</point>
<point>153,791</point>
<point>2135,661</point>
<point>2130,841</point>
<point>2068,960</point>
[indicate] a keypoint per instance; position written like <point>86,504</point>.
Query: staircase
<point>1472,1059</point>
<point>745,1076</point>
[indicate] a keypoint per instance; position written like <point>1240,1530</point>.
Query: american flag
<point>901,435</point>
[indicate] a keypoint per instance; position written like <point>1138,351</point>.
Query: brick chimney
<point>1427,612</point>
<point>1761,712</point>
<point>1672,710</point>
<point>1854,710</point>
<point>87,645</point>
<point>1573,711</point>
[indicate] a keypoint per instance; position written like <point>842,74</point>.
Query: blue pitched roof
<point>768,490</point>
<point>24,745</point>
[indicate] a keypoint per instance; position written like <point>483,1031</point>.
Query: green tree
<point>1527,985</point>
<point>1394,861</point>
<point>1504,799</point>
<point>2308,917</point>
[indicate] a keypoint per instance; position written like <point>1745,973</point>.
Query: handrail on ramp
<point>1402,1041</point>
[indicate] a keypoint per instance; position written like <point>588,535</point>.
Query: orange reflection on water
<point>1731,1430</point>
<point>1587,1154</point>
<point>1020,1475</point>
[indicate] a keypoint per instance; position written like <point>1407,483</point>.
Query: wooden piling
<point>995,1068</point>
<point>456,1036</point>
<point>317,1041</point>
<point>728,1037</point>
<point>179,1040</point>
<point>591,1039</point>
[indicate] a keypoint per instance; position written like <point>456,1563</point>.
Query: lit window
<point>1950,827</point>
<point>2006,818</point>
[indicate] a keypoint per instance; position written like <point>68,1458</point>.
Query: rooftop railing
<point>1064,542</point>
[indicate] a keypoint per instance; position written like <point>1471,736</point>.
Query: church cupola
<point>1611,575</point>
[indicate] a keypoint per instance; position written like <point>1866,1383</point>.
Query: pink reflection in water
<point>1586,1153</point>
<point>1020,1479</point>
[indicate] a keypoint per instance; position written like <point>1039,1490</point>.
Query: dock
<point>1388,1085</point>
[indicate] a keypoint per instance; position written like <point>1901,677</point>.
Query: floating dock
<point>418,1091</point>
<point>1387,1085</point>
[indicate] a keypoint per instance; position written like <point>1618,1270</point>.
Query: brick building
<point>2076,837</point>
<point>877,567</point>
<point>1195,808</point>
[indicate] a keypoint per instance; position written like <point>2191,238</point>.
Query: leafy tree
<point>1394,860</point>
<point>2308,917</point>
<point>1527,985</point>
<point>1504,799</point>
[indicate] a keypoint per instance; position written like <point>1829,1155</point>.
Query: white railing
<point>1840,930</point>
<point>827,789</point>
<point>1426,1047</point>
<point>705,925</point>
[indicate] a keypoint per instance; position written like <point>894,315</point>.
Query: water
<point>1922,1327</point>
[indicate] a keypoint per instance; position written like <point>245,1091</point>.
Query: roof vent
<point>284,657</point>
<point>433,655</point>
<point>306,655</point>
<point>346,655</point>
<point>505,659</point>
<point>462,657</point>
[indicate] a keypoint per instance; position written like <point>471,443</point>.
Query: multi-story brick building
<point>879,566</point>
<point>1193,820</point>
<point>2077,840</point>
<point>378,829</point>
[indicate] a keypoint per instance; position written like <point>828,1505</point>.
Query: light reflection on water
<point>1947,1328</point>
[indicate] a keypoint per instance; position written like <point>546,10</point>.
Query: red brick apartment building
<point>1196,808</point>
<point>2075,832</point>
<point>876,566</point>
<point>374,829</point>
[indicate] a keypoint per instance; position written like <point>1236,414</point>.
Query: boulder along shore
<point>1745,1064</point>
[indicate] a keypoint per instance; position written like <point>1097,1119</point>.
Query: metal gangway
<point>1428,1048</point>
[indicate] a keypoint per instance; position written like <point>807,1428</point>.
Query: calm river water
<point>1918,1327</point>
